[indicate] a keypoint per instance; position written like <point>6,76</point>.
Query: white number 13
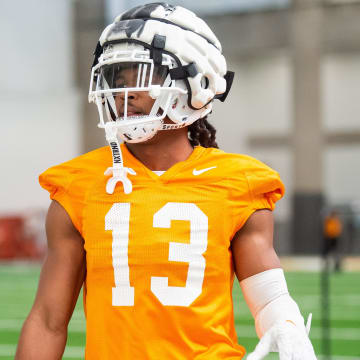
<point>118,219</point>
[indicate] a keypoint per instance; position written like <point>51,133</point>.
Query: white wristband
<point>268,299</point>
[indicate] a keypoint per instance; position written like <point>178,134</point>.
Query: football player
<point>156,228</point>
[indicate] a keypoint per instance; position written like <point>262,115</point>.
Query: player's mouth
<point>132,113</point>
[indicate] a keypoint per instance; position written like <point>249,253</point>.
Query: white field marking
<point>275,356</point>
<point>20,314</point>
<point>352,296</point>
<point>335,314</point>
<point>74,351</point>
<point>245,331</point>
<point>78,352</point>
<point>78,314</point>
<point>17,288</point>
<point>70,351</point>
<point>15,324</point>
<point>349,334</point>
<point>338,357</point>
<point>78,326</point>
<point>335,300</point>
<point>20,308</point>
<point>7,350</point>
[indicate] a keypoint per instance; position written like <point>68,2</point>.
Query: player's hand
<point>290,341</point>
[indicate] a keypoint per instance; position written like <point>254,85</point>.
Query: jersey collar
<point>131,161</point>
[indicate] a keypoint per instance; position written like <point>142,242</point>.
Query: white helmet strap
<point>118,171</point>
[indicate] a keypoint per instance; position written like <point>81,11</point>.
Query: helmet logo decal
<point>129,27</point>
<point>145,11</point>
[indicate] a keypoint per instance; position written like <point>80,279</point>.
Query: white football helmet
<point>168,58</point>
<point>166,52</point>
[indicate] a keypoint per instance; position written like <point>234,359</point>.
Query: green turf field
<point>18,285</point>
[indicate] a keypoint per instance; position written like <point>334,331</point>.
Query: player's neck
<point>163,151</point>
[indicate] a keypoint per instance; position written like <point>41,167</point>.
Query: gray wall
<point>39,104</point>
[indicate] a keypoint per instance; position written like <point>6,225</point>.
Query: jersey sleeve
<point>265,187</point>
<point>64,187</point>
<point>257,187</point>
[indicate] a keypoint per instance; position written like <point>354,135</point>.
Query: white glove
<point>290,341</point>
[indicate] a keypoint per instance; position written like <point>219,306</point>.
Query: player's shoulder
<point>81,167</point>
<point>245,174</point>
<point>88,162</point>
<point>238,163</point>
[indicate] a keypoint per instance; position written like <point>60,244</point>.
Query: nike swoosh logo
<point>199,172</point>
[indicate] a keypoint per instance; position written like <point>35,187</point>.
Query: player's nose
<point>131,95</point>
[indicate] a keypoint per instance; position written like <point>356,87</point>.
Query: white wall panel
<point>260,102</point>
<point>37,135</point>
<point>37,48</point>
<point>342,173</point>
<point>341,89</point>
<point>39,106</point>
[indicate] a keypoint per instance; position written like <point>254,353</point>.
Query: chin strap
<point>118,171</point>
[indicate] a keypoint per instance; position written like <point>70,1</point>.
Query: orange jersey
<point>159,265</point>
<point>332,227</point>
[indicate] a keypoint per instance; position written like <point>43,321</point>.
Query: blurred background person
<point>333,229</point>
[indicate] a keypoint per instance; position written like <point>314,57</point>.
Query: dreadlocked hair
<point>201,132</point>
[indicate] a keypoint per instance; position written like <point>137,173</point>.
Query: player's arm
<point>44,332</point>
<point>278,321</point>
<point>252,247</point>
